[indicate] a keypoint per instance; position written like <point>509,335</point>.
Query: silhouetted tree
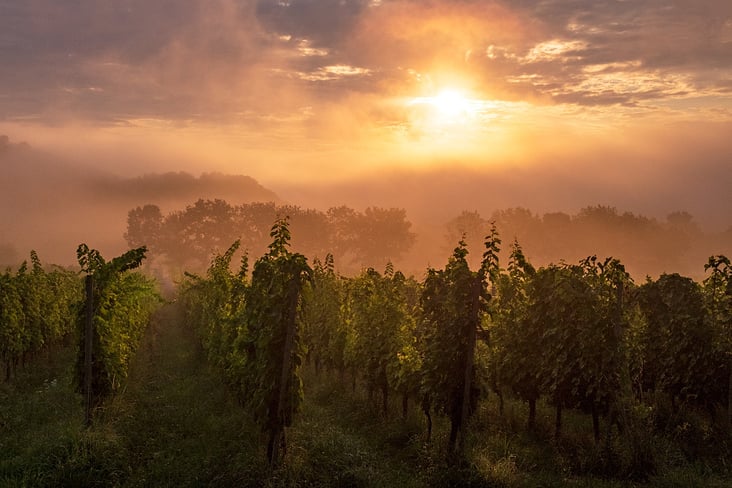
<point>196,233</point>
<point>144,227</point>
<point>189,237</point>
<point>383,236</point>
<point>471,228</point>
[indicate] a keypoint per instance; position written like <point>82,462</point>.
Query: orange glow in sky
<point>327,90</point>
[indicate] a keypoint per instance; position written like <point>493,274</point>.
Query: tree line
<point>186,239</point>
<point>646,246</point>
<point>580,336</point>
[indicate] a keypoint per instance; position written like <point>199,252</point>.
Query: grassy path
<point>176,419</point>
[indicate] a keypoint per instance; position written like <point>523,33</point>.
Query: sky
<point>554,104</point>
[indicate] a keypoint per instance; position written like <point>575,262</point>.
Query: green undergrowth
<point>340,440</point>
<point>40,422</point>
<point>176,424</point>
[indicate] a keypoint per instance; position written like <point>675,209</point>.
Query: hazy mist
<point>52,203</point>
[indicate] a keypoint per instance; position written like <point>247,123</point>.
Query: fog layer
<point>664,218</point>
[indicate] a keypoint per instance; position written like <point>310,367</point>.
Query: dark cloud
<point>326,23</point>
<point>688,39</point>
<point>120,60</point>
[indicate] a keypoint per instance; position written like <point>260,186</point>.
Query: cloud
<point>116,60</point>
<point>685,40</point>
<point>325,23</point>
<point>214,60</point>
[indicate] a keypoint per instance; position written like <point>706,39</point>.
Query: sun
<point>449,106</point>
<point>453,116</point>
<point>450,103</point>
<point>456,120</point>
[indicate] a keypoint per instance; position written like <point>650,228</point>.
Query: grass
<point>175,424</point>
<point>338,442</point>
<point>40,421</point>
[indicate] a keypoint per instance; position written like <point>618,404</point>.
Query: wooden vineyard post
<point>469,361</point>
<point>277,438</point>
<point>88,338</point>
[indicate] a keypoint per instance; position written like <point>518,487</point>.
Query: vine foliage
<point>122,303</point>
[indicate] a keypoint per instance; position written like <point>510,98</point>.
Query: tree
<point>343,222</point>
<point>453,303</point>
<point>269,341</point>
<point>144,227</point>
<point>718,294</point>
<point>119,307</point>
<point>187,238</point>
<point>383,236</point>
<point>310,230</point>
<point>678,340</point>
<point>201,230</point>
<point>378,315</point>
<point>254,221</point>
<point>515,345</point>
<point>470,227</point>
<point>518,223</point>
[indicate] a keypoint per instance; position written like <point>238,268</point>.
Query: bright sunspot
<point>451,114</point>
<point>447,111</point>
<point>450,103</point>
<point>448,107</point>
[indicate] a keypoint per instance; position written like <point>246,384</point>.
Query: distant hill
<point>51,204</point>
<point>180,187</point>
